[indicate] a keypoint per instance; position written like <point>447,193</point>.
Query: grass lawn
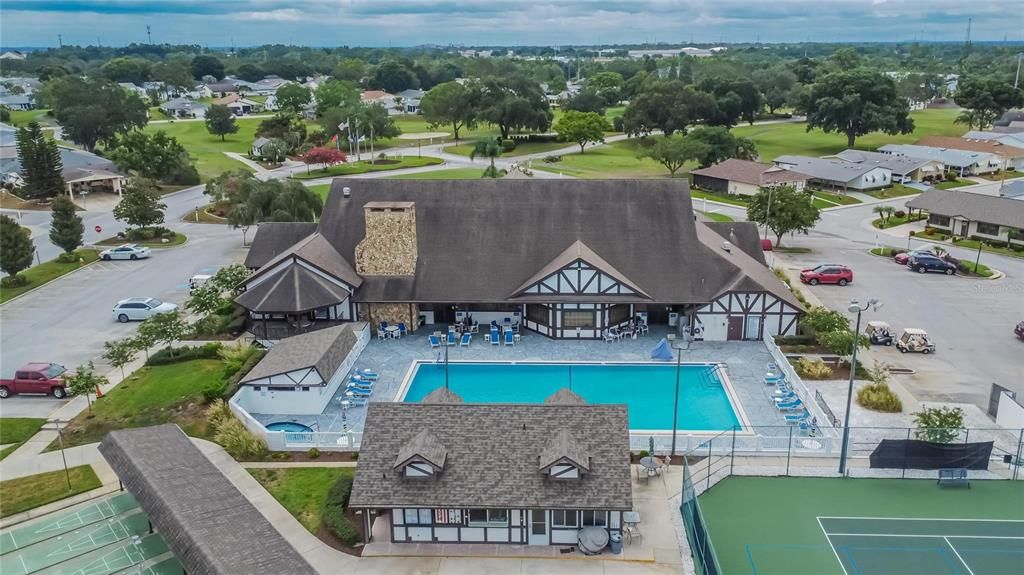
<point>733,200</point>
<point>351,168</point>
<point>24,493</point>
<point>774,140</point>
<point>321,189</point>
<point>981,269</point>
<point>452,174</point>
<point>615,160</point>
<point>884,251</point>
<point>46,272</point>
<point>793,250</point>
<point>717,217</point>
<point>998,177</point>
<point>832,199</point>
<point>150,396</point>
<point>17,430</point>
<point>950,184</point>
<point>302,490</point>
<point>737,511</point>
<point>894,191</point>
<point>23,117</point>
<point>155,113</point>
<point>894,221</point>
<point>972,245</point>
<point>207,149</point>
<point>179,239</point>
<point>521,149</point>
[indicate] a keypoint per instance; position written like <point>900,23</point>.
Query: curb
<point>871,203</point>
<point>23,294</point>
<point>105,247</point>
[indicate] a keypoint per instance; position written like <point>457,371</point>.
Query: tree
<point>140,204</point>
<point>41,165</point>
<point>586,101</point>
<point>220,121</point>
<point>324,156</point>
<point>735,99</point>
<point>155,156</point>
<point>284,126</point>
<point>674,151</point>
<point>66,229</point>
<point>350,69</point>
<point>846,58</point>
<point>393,76</point>
<point>229,279</point>
<point>250,72</point>
<point>855,103</point>
<point>985,99</point>
<point>721,144</point>
<point>489,148</point>
<point>15,248</point>
<point>784,210</point>
<point>336,94</point>
<point>167,327</point>
<point>93,110</point>
<point>776,83</point>
<point>841,342</point>
<point>84,381</point>
<point>204,65</point>
<point>452,104</point>
<point>175,75</point>
<point>939,424</point>
<point>669,106</point>
<point>822,319</point>
<point>127,69</point>
<point>582,127</point>
<point>252,201</point>
<point>608,85</point>
<point>275,150</point>
<point>293,97</point>
<point>514,103</point>
<point>143,340</point>
<point>205,300</point>
<point>120,353</point>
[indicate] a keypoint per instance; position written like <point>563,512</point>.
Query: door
<point>963,228</point>
<point>753,327</point>
<point>735,328</point>
<point>538,527</point>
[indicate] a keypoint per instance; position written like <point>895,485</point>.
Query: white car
<point>125,252</point>
<point>140,308</point>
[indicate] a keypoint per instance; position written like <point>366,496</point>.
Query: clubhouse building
<point>567,259</point>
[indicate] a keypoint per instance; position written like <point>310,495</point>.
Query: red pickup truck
<point>45,378</point>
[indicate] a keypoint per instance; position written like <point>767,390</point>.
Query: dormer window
<point>422,457</point>
<point>418,468</point>
<point>563,458</point>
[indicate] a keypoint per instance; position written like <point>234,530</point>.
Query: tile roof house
<point>969,215</point>
<point>838,173</point>
<point>537,250</point>
<point>1010,156</point>
<point>904,168</point>
<point>962,162</point>
<point>744,177</point>
<point>497,473</point>
<point>184,108</point>
<point>238,104</point>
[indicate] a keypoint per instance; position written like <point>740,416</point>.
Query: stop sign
<point>98,229</point>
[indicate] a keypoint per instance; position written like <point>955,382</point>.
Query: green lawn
<point>894,221</point>
<point>774,140</point>
<point>351,168</point>
<point>884,251</point>
<point>522,149</point>
<point>452,174</point>
<point>832,199</point>
<point>615,160</point>
<point>769,524</point>
<point>17,430</point>
<point>46,272</point>
<point>207,149</point>
<point>155,113</point>
<point>302,490</point>
<point>321,190</point>
<point>998,177</point>
<point>22,117</point>
<point>150,396</point>
<point>725,199</point>
<point>179,239</point>
<point>979,269</point>
<point>893,191</point>
<point>24,493</point>
<point>971,244</point>
<point>950,184</point>
<point>717,217</point>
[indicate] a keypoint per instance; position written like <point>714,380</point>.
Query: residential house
<point>239,105</point>
<point>904,168</point>
<point>744,177</point>
<point>223,88</point>
<point>1011,122</point>
<point>274,238</point>
<point>408,101</point>
<point>383,98</point>
<point>1015,140</point>
<point>82,171</point>
<point>837,173</point>
<point>200,90</point>
<point>137,90</point>
<point>1010,157</point>
<point>968,215</point>
<point>300,375</point>
<point>264,87</point>
<point>12,55</point>
<point>384,251</point>
<point>18,102</point>
<point>443,471</point>
<point>184,108</point>
<point>256,150</point>
<point>961,162</point>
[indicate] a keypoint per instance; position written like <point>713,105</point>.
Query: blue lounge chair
<point>510,338</point>
<point>353,402</point>
<point>359,388</point>
<point>451,338</point>
<point>434,341</point>
<point>790,405</point>
<point>367,373</point>
<point>358,393</point>
<point>495,336</point>
<point>784,397</point>
<point>467,338</point>
<point>401,328</point>
<point>360,382</point>
<point>797,417</point>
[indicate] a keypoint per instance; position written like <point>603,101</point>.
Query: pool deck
<point>392,359</point>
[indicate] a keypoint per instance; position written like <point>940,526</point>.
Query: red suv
<point>827,274</point>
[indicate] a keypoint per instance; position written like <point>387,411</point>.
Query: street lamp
<point>675,403</point>
<point>60,439</point>
<point>858,309</point>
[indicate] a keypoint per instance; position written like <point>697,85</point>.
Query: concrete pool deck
<point>745,363</point>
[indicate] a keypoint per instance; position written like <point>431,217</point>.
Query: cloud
<point>281,15</point>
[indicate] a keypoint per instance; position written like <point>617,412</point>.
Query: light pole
<point>858,309</point>
<point>675,402</point>
<point>768,211</point>
<point>60,439</point>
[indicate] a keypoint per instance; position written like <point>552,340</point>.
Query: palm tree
<point>490,148</point>
<point>880,210</point>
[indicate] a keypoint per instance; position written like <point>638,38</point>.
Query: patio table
<point>391,330</point>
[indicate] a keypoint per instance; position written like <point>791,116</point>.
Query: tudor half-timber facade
<point>564,258</point>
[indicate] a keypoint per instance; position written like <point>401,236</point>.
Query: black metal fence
<point>829,416</point>
<point>705,560</point>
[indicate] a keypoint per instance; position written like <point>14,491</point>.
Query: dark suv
<point>922,263</point>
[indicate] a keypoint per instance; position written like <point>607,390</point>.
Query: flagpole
<point>371,144</point>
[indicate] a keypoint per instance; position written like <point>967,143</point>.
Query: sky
<point>501,22</point>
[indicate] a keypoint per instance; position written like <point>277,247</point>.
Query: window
<point>488,517</point>
<point>937,220</point>
<point>537,313</point>
<point>418,517</point>
<point>594,518</point>
<point>988,229</point>
<point>577,318</point>
<point>564,518</point>
<point>618,314</point>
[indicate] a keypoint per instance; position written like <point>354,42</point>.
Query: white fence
<point>806,395</point>
<point>298,441</point>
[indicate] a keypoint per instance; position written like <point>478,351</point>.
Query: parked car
<point>125,252</point>
<point>903,257</point>
<point>45,378</point>
<point>922,263</point>
<point>140,308</point>
<point>827,274</point>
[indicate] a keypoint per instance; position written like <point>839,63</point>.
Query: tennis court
<point>832,526</point>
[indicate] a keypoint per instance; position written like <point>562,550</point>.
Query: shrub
<point>939,424</point>
<point>794,340</point>
<point>235,356</point>
<point>619,124</point>
<point>355,456</point>
<point>508,145</point>
<point>68,257</point>
<point>239,441</point>
<point>912,233</point>
<point>13,281</point>
<point>334,512</point>
<point>218,413</point>
<point>214,390</point>
<point>552,159</point>
<point>644,453</point>
<point>187,353</point>
<point>542,138</point>
<point>313,453</point>
<point>900,214</point>
<point>878,397</point>
<point>232,382</point>
<point>813,368</point>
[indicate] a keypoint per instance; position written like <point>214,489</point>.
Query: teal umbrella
<point>650,444</point>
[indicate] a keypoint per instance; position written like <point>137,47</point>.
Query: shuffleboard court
<point>939,546</point>
<point>112,559</point>
<point>57,524</point>
<point>61,548</point>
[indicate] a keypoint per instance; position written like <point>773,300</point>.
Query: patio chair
<point>643,328</point>
<point>366,373</point>
<point>383,325</point>
<point>434,341</point>
<point>353,386</point>
<point>790,405</point>
<point>352,402</point>
<point>515,327</point>
<point>784,397</point>
<point>494,324</point>
<point>475,328</point>
<point>608,337</point>
<point>510,338</point>
<point>507,320</point>
<point>356,378</point>
<point>350,393</point>
<point>467,338</point>
<point>495,336</point>
<point>401,329</point>
<point>451,339</point>
<point>797,417</point>
<point>381,334</point>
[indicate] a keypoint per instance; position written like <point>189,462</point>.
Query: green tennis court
<point>832,526</point>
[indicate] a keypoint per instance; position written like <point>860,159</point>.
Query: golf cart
<point>880,333</point>
<point>197,281</point>
<point>915,340</point>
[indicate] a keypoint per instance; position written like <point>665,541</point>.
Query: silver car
<point>140,308</point>
<point>125,252</point>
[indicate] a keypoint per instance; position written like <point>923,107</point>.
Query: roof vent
<point>346,192</point>
<point>727,246</point>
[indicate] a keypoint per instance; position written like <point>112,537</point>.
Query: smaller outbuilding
<point>744,177</point>
<point>979,216</point>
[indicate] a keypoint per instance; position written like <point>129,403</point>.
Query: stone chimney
<point>389,248</point>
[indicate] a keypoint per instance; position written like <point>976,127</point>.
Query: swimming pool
<point>648,389</point>
<point>289,426</point>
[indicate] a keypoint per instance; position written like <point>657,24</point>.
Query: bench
<point>954,476</point>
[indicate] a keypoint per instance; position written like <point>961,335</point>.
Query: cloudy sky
<point>501,22</point>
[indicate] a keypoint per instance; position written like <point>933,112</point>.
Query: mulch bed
<point>331,540</point>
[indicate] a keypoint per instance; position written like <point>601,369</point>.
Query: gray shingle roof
<point>562,445</point>
<point>974,207</point>
<point>747,172</point>
<point>833,170</point>
<point>564,396</point>
<point>424,445</point>
<point>273,238</point>
<point>901,165</point>
<point>293,290</point>
<point>323,350</point>
<point>207,522</point>
<point>492,459</point>
<point>442,395</point>
<point>949,157</point>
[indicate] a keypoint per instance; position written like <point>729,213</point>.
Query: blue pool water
<point>647,389</point>
<point>289,426</point>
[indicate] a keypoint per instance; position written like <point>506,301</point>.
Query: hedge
<point>334,512</point>
<point>164,357</point>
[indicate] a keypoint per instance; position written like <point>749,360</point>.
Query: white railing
<point>806,395</point>
<point>753,441</point>
<point>322,440</point>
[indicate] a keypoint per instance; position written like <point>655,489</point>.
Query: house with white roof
<point>837,173</point>
<point>963,162</point>
<point>184,108</point>
<point>905,169</point>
